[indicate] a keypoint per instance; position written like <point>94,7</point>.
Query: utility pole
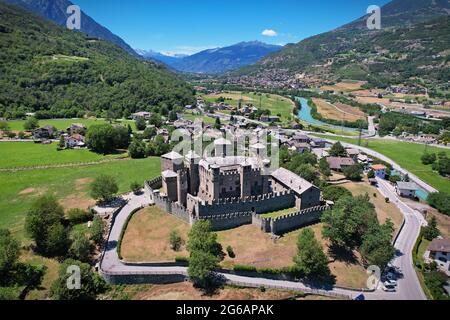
<point>360,135</point>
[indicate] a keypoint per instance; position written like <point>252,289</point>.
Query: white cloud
<point>269,33</point>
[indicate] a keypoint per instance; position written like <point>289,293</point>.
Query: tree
<point>429,158</point>
<point>371,174</point>
<point>91,283</point>
<point>348,221</point>
<point>334,193</point>
<point>376,248</point>
<point>80,248</point>
<point>205,254</point>
<point>141,124</point>
<point>155,120</point>
<point>62,143</point>
<point>440,201</point>
<point>106,138</point>
<point>394,179</point>
<point>31,124</point>
<point>324,167</point>
<point>136,187</point>
<point>217,124</point>
<point>173,116</point>
<point>353,172</point>
<point>310,259</point>
<point>43,225</point>
<point>435,282</point>
<point>137,149</point>
<point>149,133</point>
<point>4,126</point>
<point>76,216</point>
<point>97,230</point>
<point>9,253</point>
<point>337,150</point>
<point>175,240</point>
<point>431,231</point>
<point>104,188</point>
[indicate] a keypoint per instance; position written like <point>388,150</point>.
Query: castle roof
<point>192,155</point>
<point>291,180</point>
<point>221,162</point>
<point>172,156</point>
<point>169,174</point>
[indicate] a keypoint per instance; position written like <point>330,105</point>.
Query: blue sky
<point>189,26</point>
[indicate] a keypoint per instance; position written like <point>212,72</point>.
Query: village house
<point>269,119</point>
<point>339,164</point>
<point>379,170</point>
<point>142,114</point>
<point>74,141</point>
<point>318,143</point>
<point>76,128</point>
<point>439,251</point>
<point>406,189</point>
<point>45,133</point>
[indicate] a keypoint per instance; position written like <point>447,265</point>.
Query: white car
<point>390,283</point>
<point>389,288</point>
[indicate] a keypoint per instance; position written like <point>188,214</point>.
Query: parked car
<point>390,283</point>
<point>389,288</point>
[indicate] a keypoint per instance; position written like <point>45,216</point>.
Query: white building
<point>439,252</point>
<point>406,189</point>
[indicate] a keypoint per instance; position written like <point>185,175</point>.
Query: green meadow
<point>29,154</point>
<point>63,124</point>
<point>19,189</point>
<point>275,103</point>
<point>408,156</point>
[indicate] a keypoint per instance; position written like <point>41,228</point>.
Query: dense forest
<point>60,73</point>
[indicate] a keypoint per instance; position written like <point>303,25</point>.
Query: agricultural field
<point>275,103</point>
<point>63,124</point>
<point>345,86</point>
<point>29,154</point>
<point>150,229</point>
<point>338,111</point>
<point>70,185</point>
<point>407,155</point>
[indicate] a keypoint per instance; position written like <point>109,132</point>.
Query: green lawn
<point>275,103</point>
<point>192,117</point>
<point>280,213</point>
<point>63,124</point>
<point>19,189</point>
<point>408,156</point>
<point>29,154</point>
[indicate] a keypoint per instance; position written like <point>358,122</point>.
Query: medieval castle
<point>228,189</point>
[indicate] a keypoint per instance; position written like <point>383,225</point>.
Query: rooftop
<point>291,180</point>
<point>223,162</point>
<point>407,185</point>
<point>172,156</point>
<point>440,245</point>
<point>169,174</point>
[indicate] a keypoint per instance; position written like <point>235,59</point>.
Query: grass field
<point>275,103</point>
<point>408,156</point>
<point>338,111</point>
<point>345,86</point>
<point>147,239</point>
<point>280,213</point>
<point>69,185</point>
<point>63,124</point>
<point>29,154</point>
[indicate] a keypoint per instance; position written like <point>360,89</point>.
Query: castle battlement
<point>300,213</point>
<point>229,173</point>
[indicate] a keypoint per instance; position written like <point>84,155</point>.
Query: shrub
<point>244,268</point>
<point>136,187</point>
<point>76,216</point>
<point>230,252</point>
<point>175,241</point>
<point>440,201</point>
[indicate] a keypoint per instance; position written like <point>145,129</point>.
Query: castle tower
<point>192,164</point>
<point>214,187</point>
<point>182,187</point>
<point>170,185</point>
<point>245,172</point>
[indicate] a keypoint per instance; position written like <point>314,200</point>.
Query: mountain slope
<point>220,60</point>
<point>55,10</point>
<point>403,48</point>
<point>48,69</point>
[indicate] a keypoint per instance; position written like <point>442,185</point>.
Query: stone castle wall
<point>257,204</point>
<point>295,221</point>
<point>229,221</point>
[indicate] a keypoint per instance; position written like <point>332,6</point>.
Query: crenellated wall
<point>229,221</point>
<point>295,221</point>
<point>258,204</point>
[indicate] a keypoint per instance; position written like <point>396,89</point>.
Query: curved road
<point>409,286</point>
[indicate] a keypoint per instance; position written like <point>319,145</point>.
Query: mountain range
<point>218,60</point>
<point>58,73</point>
<point>55,10</point>
<point>161,57</point>
<point>412,43</point>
